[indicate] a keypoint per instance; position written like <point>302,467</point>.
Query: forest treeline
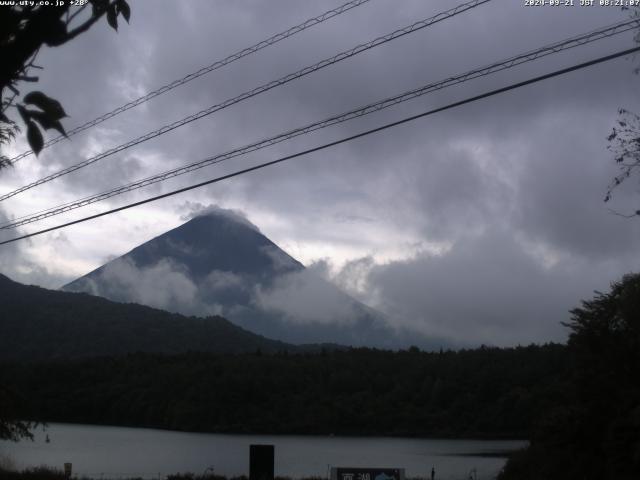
<point>485,392</point>
<point>37,324</point>
<point>592,432</point>
<point>578,404</point>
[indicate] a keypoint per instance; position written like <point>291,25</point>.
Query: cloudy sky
<point>484,224</point>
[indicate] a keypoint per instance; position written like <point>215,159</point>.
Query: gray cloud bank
<point>480,224</point>
<point>218,263</point>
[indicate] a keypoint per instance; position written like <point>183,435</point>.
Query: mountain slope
<point>220,263</point>
<point>40,324</point>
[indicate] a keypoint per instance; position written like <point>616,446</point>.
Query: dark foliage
<point>39,324</point>
<point>45,473</point>
<point>594,431</point>
<point>624,144</point>
<point>10,427</point>
<point>486,392</point>
<point>624,140</point>
<point>24,29</point>
<point>37,473</point>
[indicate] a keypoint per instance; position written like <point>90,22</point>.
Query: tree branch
<point>76,13</point>
<point>87,25</point>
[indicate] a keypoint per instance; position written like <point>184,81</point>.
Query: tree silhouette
<point>10,427</point>
<point>593,432</point>
<point>624,141</point>
<point>24,30</point>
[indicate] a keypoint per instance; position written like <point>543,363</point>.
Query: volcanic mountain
<point>219,263</point>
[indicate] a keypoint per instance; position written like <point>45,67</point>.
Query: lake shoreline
<point>121,452</point>
<point>54,474</point>
<point>479,437</point>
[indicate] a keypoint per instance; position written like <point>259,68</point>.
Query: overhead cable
<point>511,62</point>
<point>334,143</point>
<point>256,91</point>
<point>203,71</point>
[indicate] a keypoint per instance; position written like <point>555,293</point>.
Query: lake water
<point>116,452</point>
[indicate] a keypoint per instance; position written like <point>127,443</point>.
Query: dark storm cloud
<point>489,289</point>
<point>511,185</point>
<point>564,207</point>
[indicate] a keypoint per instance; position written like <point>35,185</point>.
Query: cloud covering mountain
<point>40,324</point>
<point>484,223</point>
<point>218,263</point>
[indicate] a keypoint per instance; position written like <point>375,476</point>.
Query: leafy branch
<point>24,29</point>
<point>624,143</point>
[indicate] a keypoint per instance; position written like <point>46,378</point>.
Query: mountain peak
<point>218,262</point>
<point>214,240</point>
<point>217,213</point>
<point>218,252</point>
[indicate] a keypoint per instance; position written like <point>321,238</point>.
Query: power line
<point>336,142</point>
<point>203,71</point>
<point>603,32</point>
<point>256,91</point>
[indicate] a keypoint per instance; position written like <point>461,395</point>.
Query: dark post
<point>261,462</point>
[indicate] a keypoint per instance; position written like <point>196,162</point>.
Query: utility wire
<point>203,71</point>
<point>336,142</point>
<point>603,32</point>
<point>256,91</point>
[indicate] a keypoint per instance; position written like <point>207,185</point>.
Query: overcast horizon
<point>482,224</point>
